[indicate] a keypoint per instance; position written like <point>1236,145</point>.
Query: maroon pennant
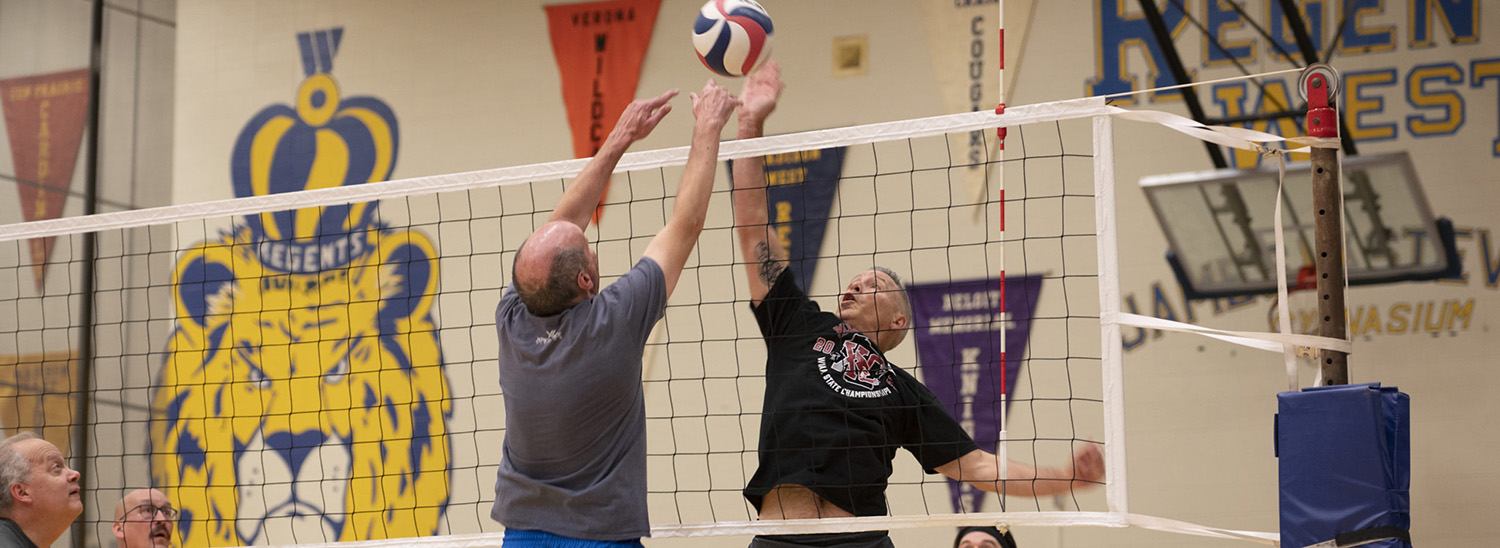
<point>44,116</point>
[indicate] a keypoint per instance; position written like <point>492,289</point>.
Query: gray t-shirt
<point>11,535</point>
<point>574,456</point>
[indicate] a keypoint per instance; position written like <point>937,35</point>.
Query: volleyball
<point>732,36</point>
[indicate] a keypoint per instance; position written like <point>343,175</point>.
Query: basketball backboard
<point>1220,231</point>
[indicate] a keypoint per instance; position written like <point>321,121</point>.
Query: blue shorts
<point>523,538</point>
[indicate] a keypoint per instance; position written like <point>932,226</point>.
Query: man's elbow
<point>687,227</point>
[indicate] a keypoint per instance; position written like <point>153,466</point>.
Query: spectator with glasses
<point>144,518</point>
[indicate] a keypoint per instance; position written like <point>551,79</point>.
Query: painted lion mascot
<point>304,407</point>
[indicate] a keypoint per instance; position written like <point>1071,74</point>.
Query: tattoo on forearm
<point>770,267</point>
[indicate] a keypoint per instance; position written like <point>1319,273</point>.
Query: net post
<point>1318,84</point>
<point>1000,71</point>
<point>1111,348</point>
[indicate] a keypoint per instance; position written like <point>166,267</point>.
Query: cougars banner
<point>968,333</point>
<point>599,48</point>
<point>966,39</point>
<point>799,191</point>
<point>44,117</point>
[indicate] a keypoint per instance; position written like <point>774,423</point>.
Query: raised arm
<point>636,122</point>
<point>670,247</point>
<point>761,248</point>
<point>981,469</point>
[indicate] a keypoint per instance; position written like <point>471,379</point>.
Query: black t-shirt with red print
<point>835,410</point>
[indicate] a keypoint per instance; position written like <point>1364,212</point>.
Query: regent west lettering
<point>1438,93</point>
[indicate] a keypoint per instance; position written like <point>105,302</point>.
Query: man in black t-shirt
<point>835,410</point>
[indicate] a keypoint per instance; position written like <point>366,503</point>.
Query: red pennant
<point>599,47</point>
<point>44,116</point>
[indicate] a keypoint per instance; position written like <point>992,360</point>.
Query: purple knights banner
<point>968,332</point>
<point>799,192</point>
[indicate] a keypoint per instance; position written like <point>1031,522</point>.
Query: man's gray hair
<point>14,468</point>
<point>903,301</point>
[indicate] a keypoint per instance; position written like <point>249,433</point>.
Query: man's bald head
<point>138,497</point>
<point>144,518</point>
<point>555,269</point>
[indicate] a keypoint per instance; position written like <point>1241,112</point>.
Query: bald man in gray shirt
<point>573,468</point>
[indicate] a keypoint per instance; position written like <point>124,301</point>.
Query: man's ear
<point>585,281</point>
<point>899,322</point>
<point>119,529</point>
<point>20,492</point>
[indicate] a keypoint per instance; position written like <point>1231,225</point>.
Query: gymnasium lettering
<point>1432,316</point>
<point>1381,101</point>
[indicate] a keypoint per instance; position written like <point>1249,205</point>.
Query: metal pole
<point>1319,84</point>
<point>80,424</point>
<point>1179,74</point>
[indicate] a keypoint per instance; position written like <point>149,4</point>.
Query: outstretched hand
<point>1088,463</point>
<point>641,116</point>
<point>713,105</point>
<point>762,90</point>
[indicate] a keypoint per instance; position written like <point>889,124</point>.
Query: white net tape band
<point>1273,342</point>
<point>1241,138</point>
<point>921,127</point>
<point>837,525</point>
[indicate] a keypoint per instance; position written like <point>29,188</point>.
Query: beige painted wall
<point>474,86</point>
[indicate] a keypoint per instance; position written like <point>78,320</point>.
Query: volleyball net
<point>320,366</point>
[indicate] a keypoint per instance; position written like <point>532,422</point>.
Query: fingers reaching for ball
<point>713,105</point>
<point>640,117</point>
<point>762,90</point>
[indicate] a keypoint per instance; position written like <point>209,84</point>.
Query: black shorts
<point>866,539</point>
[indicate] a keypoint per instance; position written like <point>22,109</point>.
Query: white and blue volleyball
<point>732,36</point>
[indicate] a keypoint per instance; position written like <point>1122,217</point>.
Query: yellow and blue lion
<point>303,396</point>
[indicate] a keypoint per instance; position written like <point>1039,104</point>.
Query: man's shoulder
<point>11,535</point>
<point>648,267</point>
<point>646,278</point>
<point>509,299</point>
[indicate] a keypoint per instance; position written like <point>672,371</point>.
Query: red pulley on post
<point>1319,87</point>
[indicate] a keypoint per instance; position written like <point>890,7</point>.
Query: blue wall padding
<point>1345,462</point>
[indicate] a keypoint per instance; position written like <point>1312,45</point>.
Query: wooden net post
<point>1319,84</point>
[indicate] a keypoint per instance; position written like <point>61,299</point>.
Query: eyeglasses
<point>148,512</point>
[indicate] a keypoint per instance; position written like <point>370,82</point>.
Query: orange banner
<point>44,117</point>
<point>599,48</point>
